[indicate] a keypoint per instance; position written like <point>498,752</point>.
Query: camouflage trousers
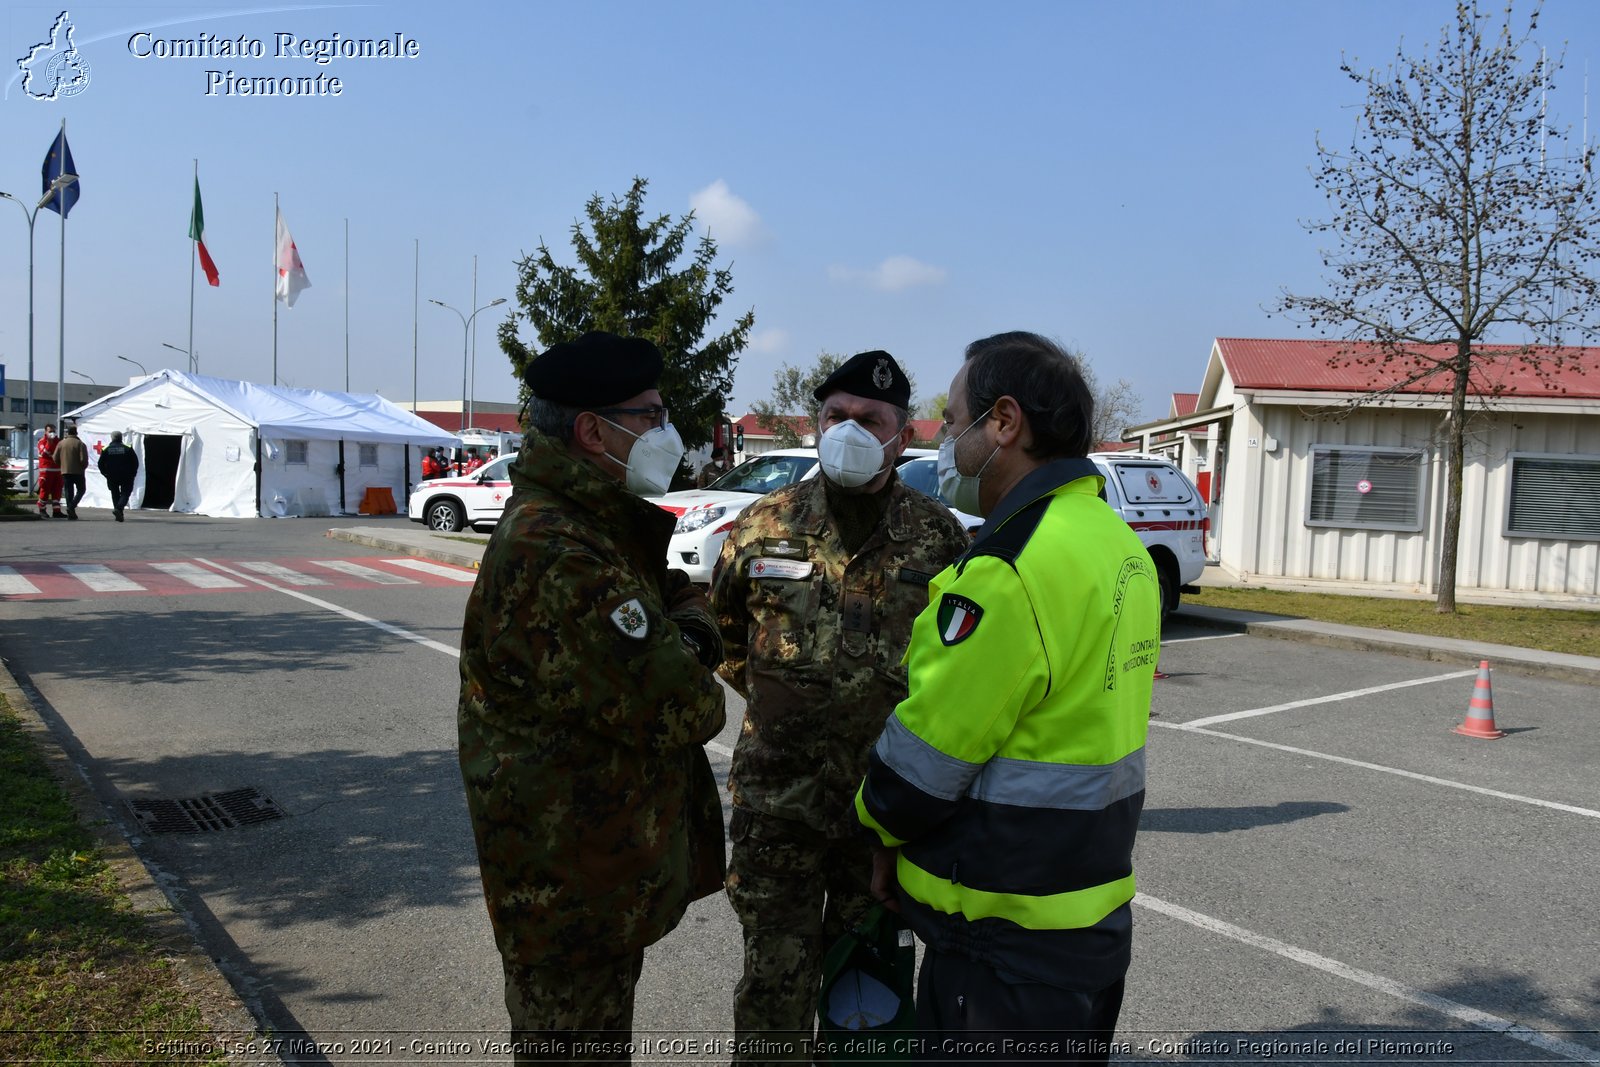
<point>796,892</point>
<point>562,1014</point>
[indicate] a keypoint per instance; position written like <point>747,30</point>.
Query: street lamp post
<point>85,377</point>
<point>194,359</point>
<point>136,363</point>
<point>466,330</point>
<point>49,194</point>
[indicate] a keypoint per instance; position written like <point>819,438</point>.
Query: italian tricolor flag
<point>197,234</point>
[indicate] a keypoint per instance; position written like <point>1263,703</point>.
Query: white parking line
<point>1430,779</point>
<point>1460,1012</point>
<point>720,749</point>
<point>102,579</point>
<point>386,627</point>
<point>14,584</point>
<point>1311,702</point>
<point>1207,637</point>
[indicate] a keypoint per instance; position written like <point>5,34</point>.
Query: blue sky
<point>1128,178</point>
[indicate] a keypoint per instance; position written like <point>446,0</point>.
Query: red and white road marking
<point>62,580</point>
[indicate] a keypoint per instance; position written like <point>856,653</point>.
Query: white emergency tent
<point>212,446</point>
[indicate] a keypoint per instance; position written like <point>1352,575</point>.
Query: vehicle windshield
<point>763,474</point>
<point>923,476</point>
<point>496,471</point>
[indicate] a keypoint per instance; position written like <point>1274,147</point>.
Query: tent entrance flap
<point>161,455</point>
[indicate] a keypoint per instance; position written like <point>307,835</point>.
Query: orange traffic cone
<point>1480,711</point>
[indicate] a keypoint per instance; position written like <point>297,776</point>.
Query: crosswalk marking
<point>102,579</point>
<point>279,573</point>
<point>14,584</point>
<point>356,570</point>
<point>455,574</point>
<point>62,580</point>
<point>197,576</point>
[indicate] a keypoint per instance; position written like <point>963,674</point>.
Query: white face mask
<point>961,490</point>
<point>653,459</point>
<point>850,455</point>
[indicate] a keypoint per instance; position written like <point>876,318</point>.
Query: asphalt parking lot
<point>1321,854</point>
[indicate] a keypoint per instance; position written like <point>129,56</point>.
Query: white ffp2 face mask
<point>653,459</point>
<point>850,455</point>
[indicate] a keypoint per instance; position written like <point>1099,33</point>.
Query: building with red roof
<point>1327,465</point>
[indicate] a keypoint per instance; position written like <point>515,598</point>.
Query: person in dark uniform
<point>587,694</point>
<point>119,465</point>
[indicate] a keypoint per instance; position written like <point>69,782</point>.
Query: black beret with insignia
<point>873,375</point>
<point>595,370</point>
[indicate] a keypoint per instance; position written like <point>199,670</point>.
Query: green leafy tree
<point>934,409</point>
<point>1456,210</point>
<point>792,389</point>
<point>632,278</point>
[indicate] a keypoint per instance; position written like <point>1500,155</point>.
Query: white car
<point>458,501</point>
<point>706,515</point>
<point>1152,496</point>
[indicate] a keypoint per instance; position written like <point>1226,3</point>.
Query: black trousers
<point>120,491</point>
<point>75,487</point>
<point>968,1013</point>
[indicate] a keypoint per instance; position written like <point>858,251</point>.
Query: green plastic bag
<point>866,1009</point>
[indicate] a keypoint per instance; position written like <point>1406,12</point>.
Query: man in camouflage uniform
<point>815,591</point>
<point>586,695</point>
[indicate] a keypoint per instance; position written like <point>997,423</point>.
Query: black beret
<point>873,375</point>
<point>595,370</point>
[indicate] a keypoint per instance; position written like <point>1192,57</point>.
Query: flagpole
<point>416,293</point>
<point>275,268</point>
<point>472,394</point>
<point>194,254</point>
<point>61,331</point>
<point>347,305</point>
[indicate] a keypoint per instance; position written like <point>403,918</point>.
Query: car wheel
<point>1169,590</point>
<point>445,516</point>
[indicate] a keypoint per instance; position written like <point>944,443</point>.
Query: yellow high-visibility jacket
<point>1012,776</point>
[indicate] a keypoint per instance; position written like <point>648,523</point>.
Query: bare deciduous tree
<point>1457,211</point>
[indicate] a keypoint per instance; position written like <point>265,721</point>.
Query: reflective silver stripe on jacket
<point>922,765</point>
<point>1022,783</point>
<point>1059,786</point>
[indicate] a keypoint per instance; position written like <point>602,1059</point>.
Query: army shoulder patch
<point>629,617</point>
<point>958,618</point>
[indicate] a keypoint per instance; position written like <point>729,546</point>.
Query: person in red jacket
<point>474,461</point>
<point>432,465</point>
<point>49,473</point>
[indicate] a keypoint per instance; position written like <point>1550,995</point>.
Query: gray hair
<point>116,436</point>
<point>551,419</point>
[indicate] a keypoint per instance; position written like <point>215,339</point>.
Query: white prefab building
<point>1319,476</point>
<point>212,446</point>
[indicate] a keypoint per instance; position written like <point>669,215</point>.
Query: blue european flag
<point>58,161</point>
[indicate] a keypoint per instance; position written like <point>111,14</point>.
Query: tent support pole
<point>406,480</point>
<point>258,474</point>
<point>341,476</point>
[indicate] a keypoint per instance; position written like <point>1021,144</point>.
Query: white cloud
<point>892,275</point>
<point>768,342</point>
<point>729,219</point>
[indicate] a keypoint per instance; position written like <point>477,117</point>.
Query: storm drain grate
<point>202,814</point>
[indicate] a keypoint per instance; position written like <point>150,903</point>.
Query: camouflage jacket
<point>813,640</point>
<point>582,717</point>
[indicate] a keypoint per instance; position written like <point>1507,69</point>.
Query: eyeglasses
<point>656,413</point>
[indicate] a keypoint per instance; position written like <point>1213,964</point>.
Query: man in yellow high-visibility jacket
<point>1007,787</point>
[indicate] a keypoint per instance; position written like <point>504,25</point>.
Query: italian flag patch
<point>958,617</point>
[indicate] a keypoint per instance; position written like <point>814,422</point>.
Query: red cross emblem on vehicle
<point>1154,482</point>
